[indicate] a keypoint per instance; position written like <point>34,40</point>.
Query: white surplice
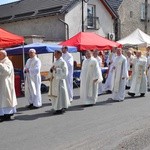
<point>139,80</point>
<point>58,91</point>
<point>100,86</point>
<point>109,84</point>
<point>88,88</point>
<point>129,61</point>
<point>121,75</point>
<point>69,60</point>
<point>8,99</point>
<point>33,82</point>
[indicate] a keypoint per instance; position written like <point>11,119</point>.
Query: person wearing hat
<point>33,80</point>
<point>58,91</point>
<point>8,101</point>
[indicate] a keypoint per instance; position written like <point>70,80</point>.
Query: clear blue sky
<point>7,1</point>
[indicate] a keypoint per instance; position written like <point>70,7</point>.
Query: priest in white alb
<point>121,74</point>
<point>130,58</point>
<point>33,80</point>
<point>58,91</point>
<point>109,84</point>
<point>90,78</point>
<point>99,60</point>
<point>69,60</point>
<point>8,99</point>
<point>139,80</point>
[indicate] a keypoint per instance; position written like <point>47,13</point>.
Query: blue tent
<point>39,47</point>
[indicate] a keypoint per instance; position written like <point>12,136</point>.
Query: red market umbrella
<point>90,41</point>
<point>8,39</point>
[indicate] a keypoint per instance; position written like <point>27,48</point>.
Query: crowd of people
<point>129,70</point>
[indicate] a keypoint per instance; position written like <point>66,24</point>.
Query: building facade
<point>57,20</point>
<point>131,14</point>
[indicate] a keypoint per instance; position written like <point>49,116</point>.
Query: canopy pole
<point>23,55</point>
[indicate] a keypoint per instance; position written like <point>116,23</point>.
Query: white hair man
<point>33,80</point>
<point>8,99</point>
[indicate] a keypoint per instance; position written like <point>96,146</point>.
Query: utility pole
<point>146,15</point>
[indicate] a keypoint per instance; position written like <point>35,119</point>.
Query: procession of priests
<point>126,70</point>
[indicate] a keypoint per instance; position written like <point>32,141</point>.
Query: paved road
<point>106,126</point>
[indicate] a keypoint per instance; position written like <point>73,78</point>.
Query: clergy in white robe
<point>90,78</point>
<point>130,58</point>
<point>8,99</point>
<point>139,80</point>
<point>58,91</point>
<point>33,80</point>
<point>109,84</point>
<point>69,60</point>
<point>121,75</point>
<point>99,60</point>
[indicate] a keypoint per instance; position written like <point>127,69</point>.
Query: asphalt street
<point>106,126</point>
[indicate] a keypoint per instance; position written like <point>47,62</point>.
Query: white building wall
<point>74,19</point>
<point>106,20</point>
<point>49,27</point>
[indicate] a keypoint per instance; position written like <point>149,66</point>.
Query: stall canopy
<point>90,41</point>
<point>8,39</point>
<point>137,37</point>
<point>39,47</point>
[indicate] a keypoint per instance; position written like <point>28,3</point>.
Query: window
<point>91,16</point>
<point>131,14</point>
<point>143,11</point>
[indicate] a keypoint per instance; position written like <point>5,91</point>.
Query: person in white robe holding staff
<point>58,91</point>
<point>8,101</point>
<point>33,80</point>
<point>90,78</point>
<point>139,80</point>
<point>121,75</point>
<point>69,60</point>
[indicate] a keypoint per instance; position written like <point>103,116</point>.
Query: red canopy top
<point>8,39</point>
<point>90,41</point>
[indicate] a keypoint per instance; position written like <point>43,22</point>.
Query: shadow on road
<point>133,98</point>
<point>33,116</point>
<point>20,109</point>
<point>107,102</point>
<point>75,108</point>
